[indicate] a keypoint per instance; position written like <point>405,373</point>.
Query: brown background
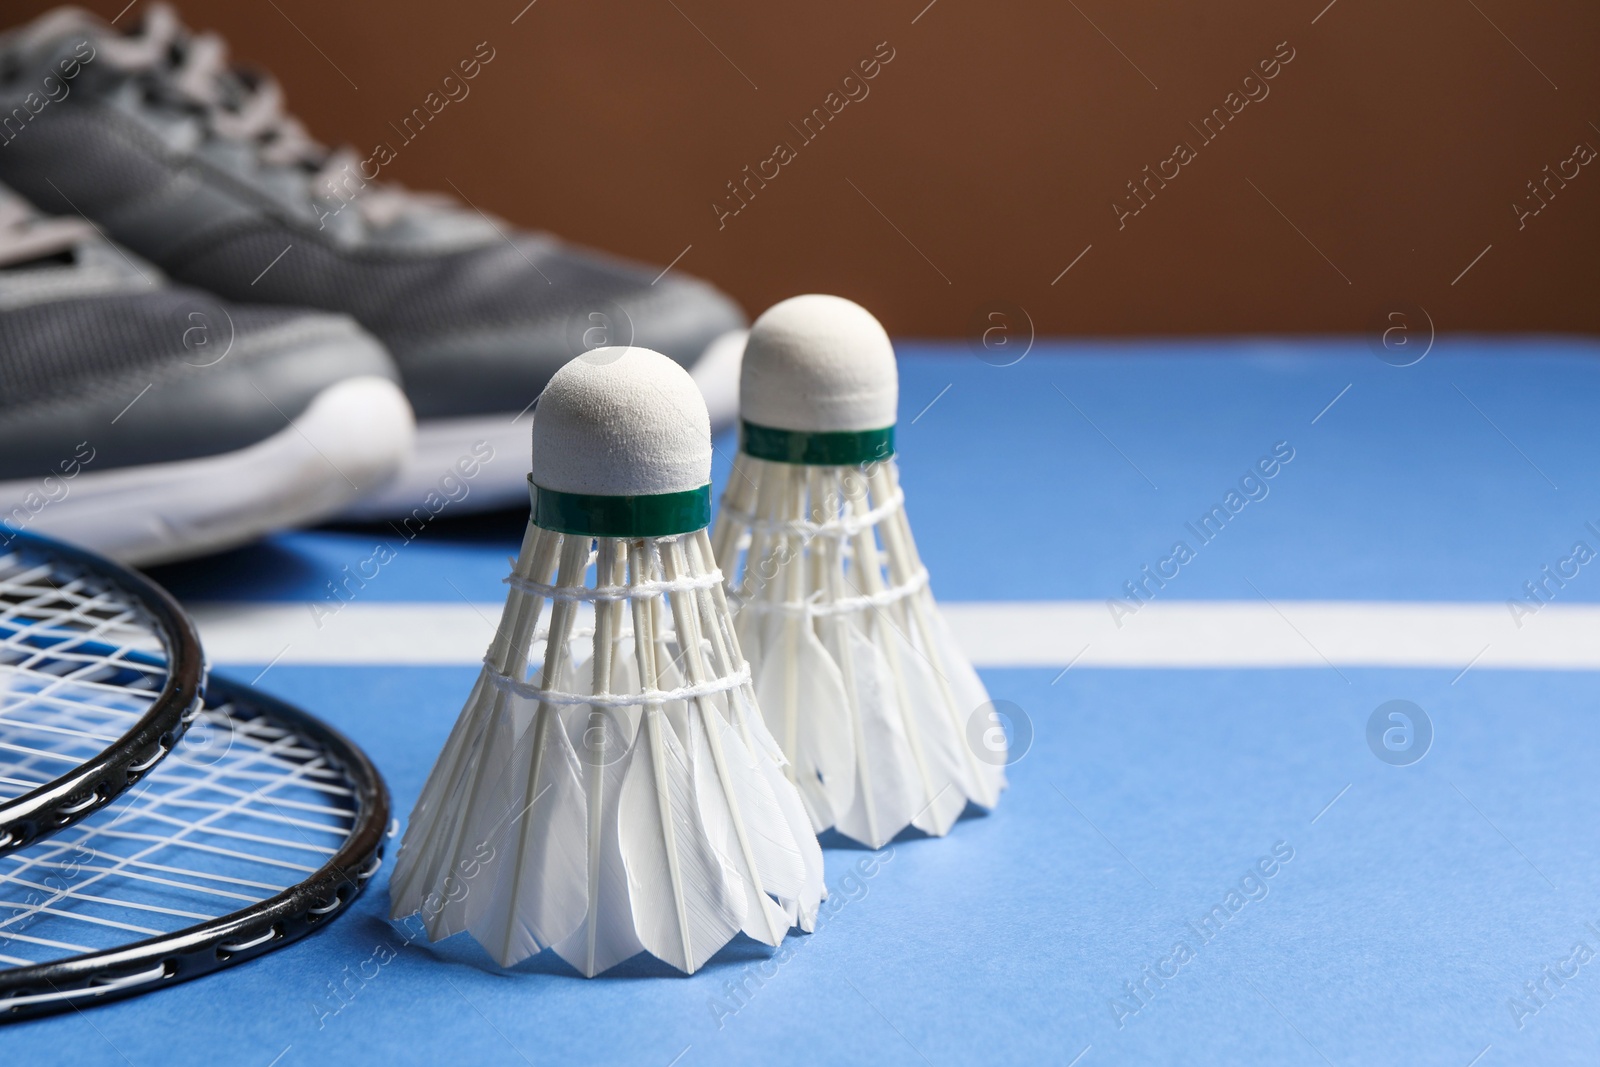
<point>996,141</point>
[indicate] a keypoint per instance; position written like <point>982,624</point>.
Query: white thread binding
<point>814,605</point>
<point>623,700</point>
<point>845,526</point>
<point>654,587</point>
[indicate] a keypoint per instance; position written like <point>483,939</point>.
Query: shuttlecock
<point>610,785</point>
<point>884,721</point>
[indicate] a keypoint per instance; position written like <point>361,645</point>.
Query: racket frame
<point>105,776</point>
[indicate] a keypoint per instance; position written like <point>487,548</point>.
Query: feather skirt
<point>610,786</point>
<point>884,722</point>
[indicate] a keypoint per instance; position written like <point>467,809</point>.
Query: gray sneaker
<point>151,422</point>
<point>193,164</point>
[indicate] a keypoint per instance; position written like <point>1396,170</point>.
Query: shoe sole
<point>354,436</point>
<point>496,449</point>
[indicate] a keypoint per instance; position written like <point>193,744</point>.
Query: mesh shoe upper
<point>96,346</point>
<point>194,165</point>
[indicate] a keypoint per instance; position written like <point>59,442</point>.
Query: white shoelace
<point>26,235</point>
<point>246,107</point>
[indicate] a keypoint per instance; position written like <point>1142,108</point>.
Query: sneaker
<point>151,422</point>
<point>193,164</point>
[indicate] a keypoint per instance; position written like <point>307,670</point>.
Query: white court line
<point>1182,634</point>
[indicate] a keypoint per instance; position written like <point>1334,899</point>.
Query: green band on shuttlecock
<point>657,515</point>
<point>839,448</point>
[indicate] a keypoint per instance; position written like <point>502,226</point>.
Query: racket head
<point>101,673</point>
<point>330,793</point>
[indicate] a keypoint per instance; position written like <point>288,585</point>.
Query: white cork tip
<point>621,422</point>
<point>818,364</point>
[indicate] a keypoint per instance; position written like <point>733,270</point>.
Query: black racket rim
<point>102,778</point>
<point>252,931</point>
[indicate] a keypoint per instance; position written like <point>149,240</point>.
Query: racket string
<point>107,831</point>
<point>71,680</point>
<point>165,850</point>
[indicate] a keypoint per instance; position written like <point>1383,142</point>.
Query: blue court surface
<point>1205,856</point>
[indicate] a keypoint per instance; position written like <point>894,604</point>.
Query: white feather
<point>888,789</point>
<point>760,743</point>
<point>940,753</point>
<point>968,694</point>
<point>443,800</point>
<point>812,890</point>
<point>532,888</point>
<point>606,935</point>
<point>684,907</point>
<point>608,938</point>
<point>802,699</point>
<point>725,797</point>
